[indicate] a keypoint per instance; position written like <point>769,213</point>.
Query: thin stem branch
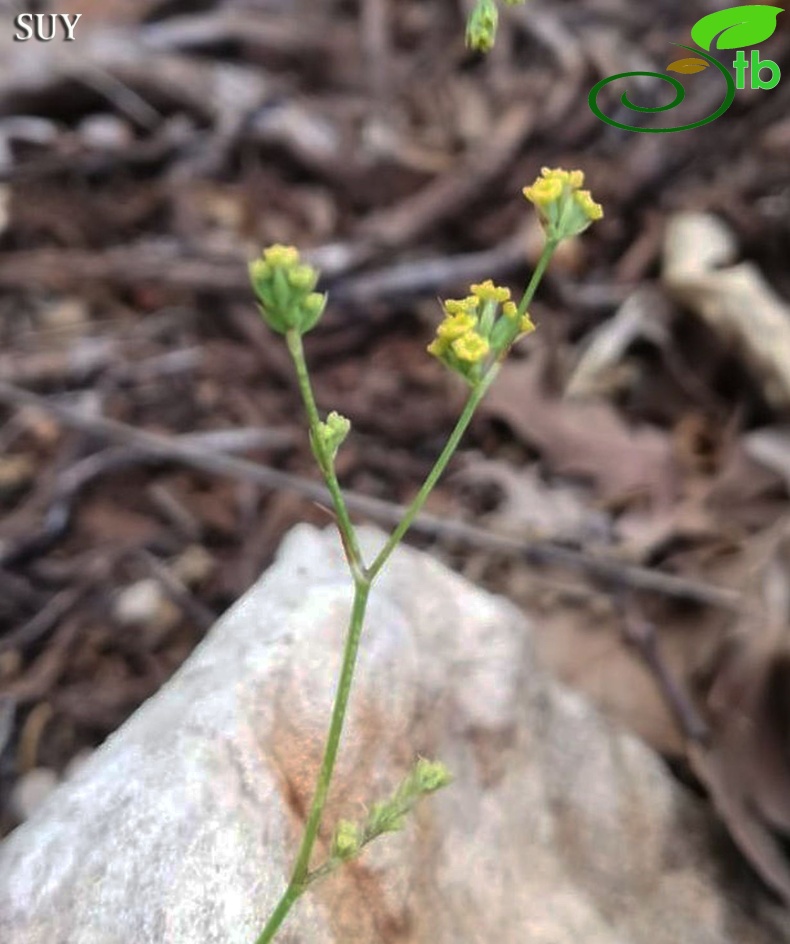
<point>279,914</point>
<point>538,273</point>
<point>300,873</point>
<point>346,528</point>
<point>465,418</point>
<point>361,591</point>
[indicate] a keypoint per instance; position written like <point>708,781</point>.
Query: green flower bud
<point>311,310</point>
<point>386,817</point>
<point>481,26</point>
<point>332,433</point>
<point>425,777</point>
<point>346,841</point>
<point>285,289</point>
<point>303,278</point>
<point>430,776</point>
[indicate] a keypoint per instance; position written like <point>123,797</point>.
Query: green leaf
<point>738,26</point>
<point>688,66</point>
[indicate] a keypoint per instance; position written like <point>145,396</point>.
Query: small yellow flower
<point>571,178</point>
<point>488,292</point>
<point>510,310</point>
<point>526,325</point>
<point>471,347</point>
<point>588,206</point>
<point>454,326</point>
<point>544,191</point>
<point>279,255</point>
<point>461,306</point>
<point>438,347</point>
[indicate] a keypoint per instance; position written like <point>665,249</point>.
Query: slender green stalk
<point>279,914</point>
<point>540,270</point>
<point>299,876</point>
<point>361,591</point>
<point>465,418</point>
<point>346,528</point>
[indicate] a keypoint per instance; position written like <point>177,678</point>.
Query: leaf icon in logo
<point>688,66</point>
<point>738,26</point>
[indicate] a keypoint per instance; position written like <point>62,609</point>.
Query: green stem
<point>279,915</point>
<point>300,872</point>
<point>463,422</point>
<point>346,528</point>
<point>540,270</point>
<point>361,591</point>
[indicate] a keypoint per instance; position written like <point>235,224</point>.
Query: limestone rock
<point>557,829</point>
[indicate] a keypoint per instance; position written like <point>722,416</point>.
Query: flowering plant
<point>472,340</point>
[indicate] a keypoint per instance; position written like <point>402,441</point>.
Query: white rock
<point>557,829</point>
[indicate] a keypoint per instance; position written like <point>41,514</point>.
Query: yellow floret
<point>573,178</point>
<point>526,325</point>
<point>438,347</point>
<point>279,255</point>
<point>510,310</point>
<point>461,306</point>
<point>454,326</point>
<point>585,202</point>
<point>471,347</point>
<point>544,191</point>
<point>488,292</point>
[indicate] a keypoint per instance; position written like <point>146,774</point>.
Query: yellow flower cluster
<point>471,329</point>
<point>458,332</point>
<point>563,207</point>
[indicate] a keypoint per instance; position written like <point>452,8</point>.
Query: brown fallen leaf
<point>524,505</point>
<point>582,438</point>
<point>746,763</point>
<point>736,301</point>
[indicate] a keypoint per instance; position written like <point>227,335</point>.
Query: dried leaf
<point>746,765</point>
<point>735,301</point>
<point>528,506</point>
<point>688,66</point>
<point>584,439</point>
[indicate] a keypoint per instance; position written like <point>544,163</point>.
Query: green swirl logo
<point>734,28</point>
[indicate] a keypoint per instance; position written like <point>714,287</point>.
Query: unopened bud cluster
<point>328,437</point>
<point>390,815</point>
<point>482,24</point>
<point>285,288</point>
